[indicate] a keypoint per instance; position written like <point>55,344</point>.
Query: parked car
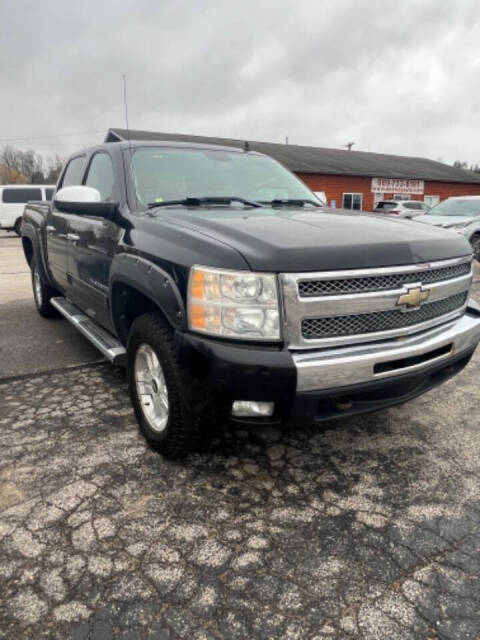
<point>12,202</point>
<point>214,275</point>
<point>402,208</point>
<point>461,214</point>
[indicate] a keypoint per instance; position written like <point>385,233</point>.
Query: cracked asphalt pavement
<point>363,528</point>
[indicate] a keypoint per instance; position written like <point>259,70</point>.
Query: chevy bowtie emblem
<point>413,299</point>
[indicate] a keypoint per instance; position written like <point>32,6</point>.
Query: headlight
<point>234,304</point>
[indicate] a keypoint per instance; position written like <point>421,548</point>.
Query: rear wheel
<point>159,388</point>
<point>42,293</point>
<point>18,227</point>
<point>475,242</point>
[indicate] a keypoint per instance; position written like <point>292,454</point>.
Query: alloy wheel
<point>151,388</point>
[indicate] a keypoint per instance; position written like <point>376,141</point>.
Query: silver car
<point>461,214</point>
<point>402,208</point>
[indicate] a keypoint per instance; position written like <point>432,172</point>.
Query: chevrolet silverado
<point>214,275</point>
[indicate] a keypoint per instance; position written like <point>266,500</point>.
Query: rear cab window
<point>20,195</point>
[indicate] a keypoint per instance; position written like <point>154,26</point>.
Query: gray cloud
<point>398,77</point>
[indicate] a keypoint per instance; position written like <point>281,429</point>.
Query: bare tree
<point>31,166</point>
<point>10,158</point>
<point>466,167</point>
<point>53,167</point>
<point>28,166</point>
<point>10,175</point>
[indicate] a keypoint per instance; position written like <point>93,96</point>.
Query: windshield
<point>161,174</point>
<point>456,207</point>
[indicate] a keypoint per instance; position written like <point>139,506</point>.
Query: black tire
<point>475,242</point>
<point>182,433</point>
<point>18,227</point>
<point>42,293</point>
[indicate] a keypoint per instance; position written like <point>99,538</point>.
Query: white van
<point>13,198</point>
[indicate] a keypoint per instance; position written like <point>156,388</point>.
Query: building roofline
<point>322,160</point>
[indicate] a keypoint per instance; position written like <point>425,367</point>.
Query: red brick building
<point>349,179</point>
<point>434,191</point>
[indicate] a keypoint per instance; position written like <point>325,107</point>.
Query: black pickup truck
<point>214,275</point>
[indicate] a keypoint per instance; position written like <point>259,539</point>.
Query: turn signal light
<point>197,316</point>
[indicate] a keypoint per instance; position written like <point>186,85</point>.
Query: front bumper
<point>335,368</point>
<point>306,385</point>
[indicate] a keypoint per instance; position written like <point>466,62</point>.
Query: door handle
<point>73,237</point>
<point>50,228</point>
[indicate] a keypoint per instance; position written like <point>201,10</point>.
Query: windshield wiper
<point>198,202</point>
<point>290,202</point>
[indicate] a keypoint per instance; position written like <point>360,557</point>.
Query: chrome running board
<point>107,344</point>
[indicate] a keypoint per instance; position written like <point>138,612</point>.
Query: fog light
<point>252,409</point>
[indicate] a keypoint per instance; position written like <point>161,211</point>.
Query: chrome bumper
<point>341,367</point>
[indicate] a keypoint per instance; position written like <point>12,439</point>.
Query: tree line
<point>464,165</point>
<point>28,167</point>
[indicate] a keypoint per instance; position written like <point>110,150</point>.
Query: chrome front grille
<point>365,323</point>
<point>354,306</point>
<point>338,286</point>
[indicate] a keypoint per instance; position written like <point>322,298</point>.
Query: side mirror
<point>84,201</point>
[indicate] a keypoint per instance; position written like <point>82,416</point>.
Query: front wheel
<point>475,242</point>
<point>159,388</point>
<point>42,292</point>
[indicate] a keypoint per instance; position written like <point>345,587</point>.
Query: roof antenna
<point>124,77</point>
<point>246,146</point>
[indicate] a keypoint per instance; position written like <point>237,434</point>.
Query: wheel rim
<point>37,286</point>
<point>476,248</point>
<point>151,388</point>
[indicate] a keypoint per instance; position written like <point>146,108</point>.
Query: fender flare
<point>32,233</point>
<point>153,282</point>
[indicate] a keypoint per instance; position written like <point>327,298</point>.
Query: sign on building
<point>397,185</point>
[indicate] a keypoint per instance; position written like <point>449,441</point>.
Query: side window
<point>101,177</point>
<point>74,172</point>
<point>19,195</point>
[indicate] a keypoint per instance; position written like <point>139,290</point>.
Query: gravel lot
<point>367,528</point>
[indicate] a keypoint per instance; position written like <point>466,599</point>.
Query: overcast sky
<point>393,76</point>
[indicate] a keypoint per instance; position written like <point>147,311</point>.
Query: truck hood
<point>297,240</point>
<point>446,221</point>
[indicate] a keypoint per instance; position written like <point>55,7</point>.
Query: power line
<point>57,135</point>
